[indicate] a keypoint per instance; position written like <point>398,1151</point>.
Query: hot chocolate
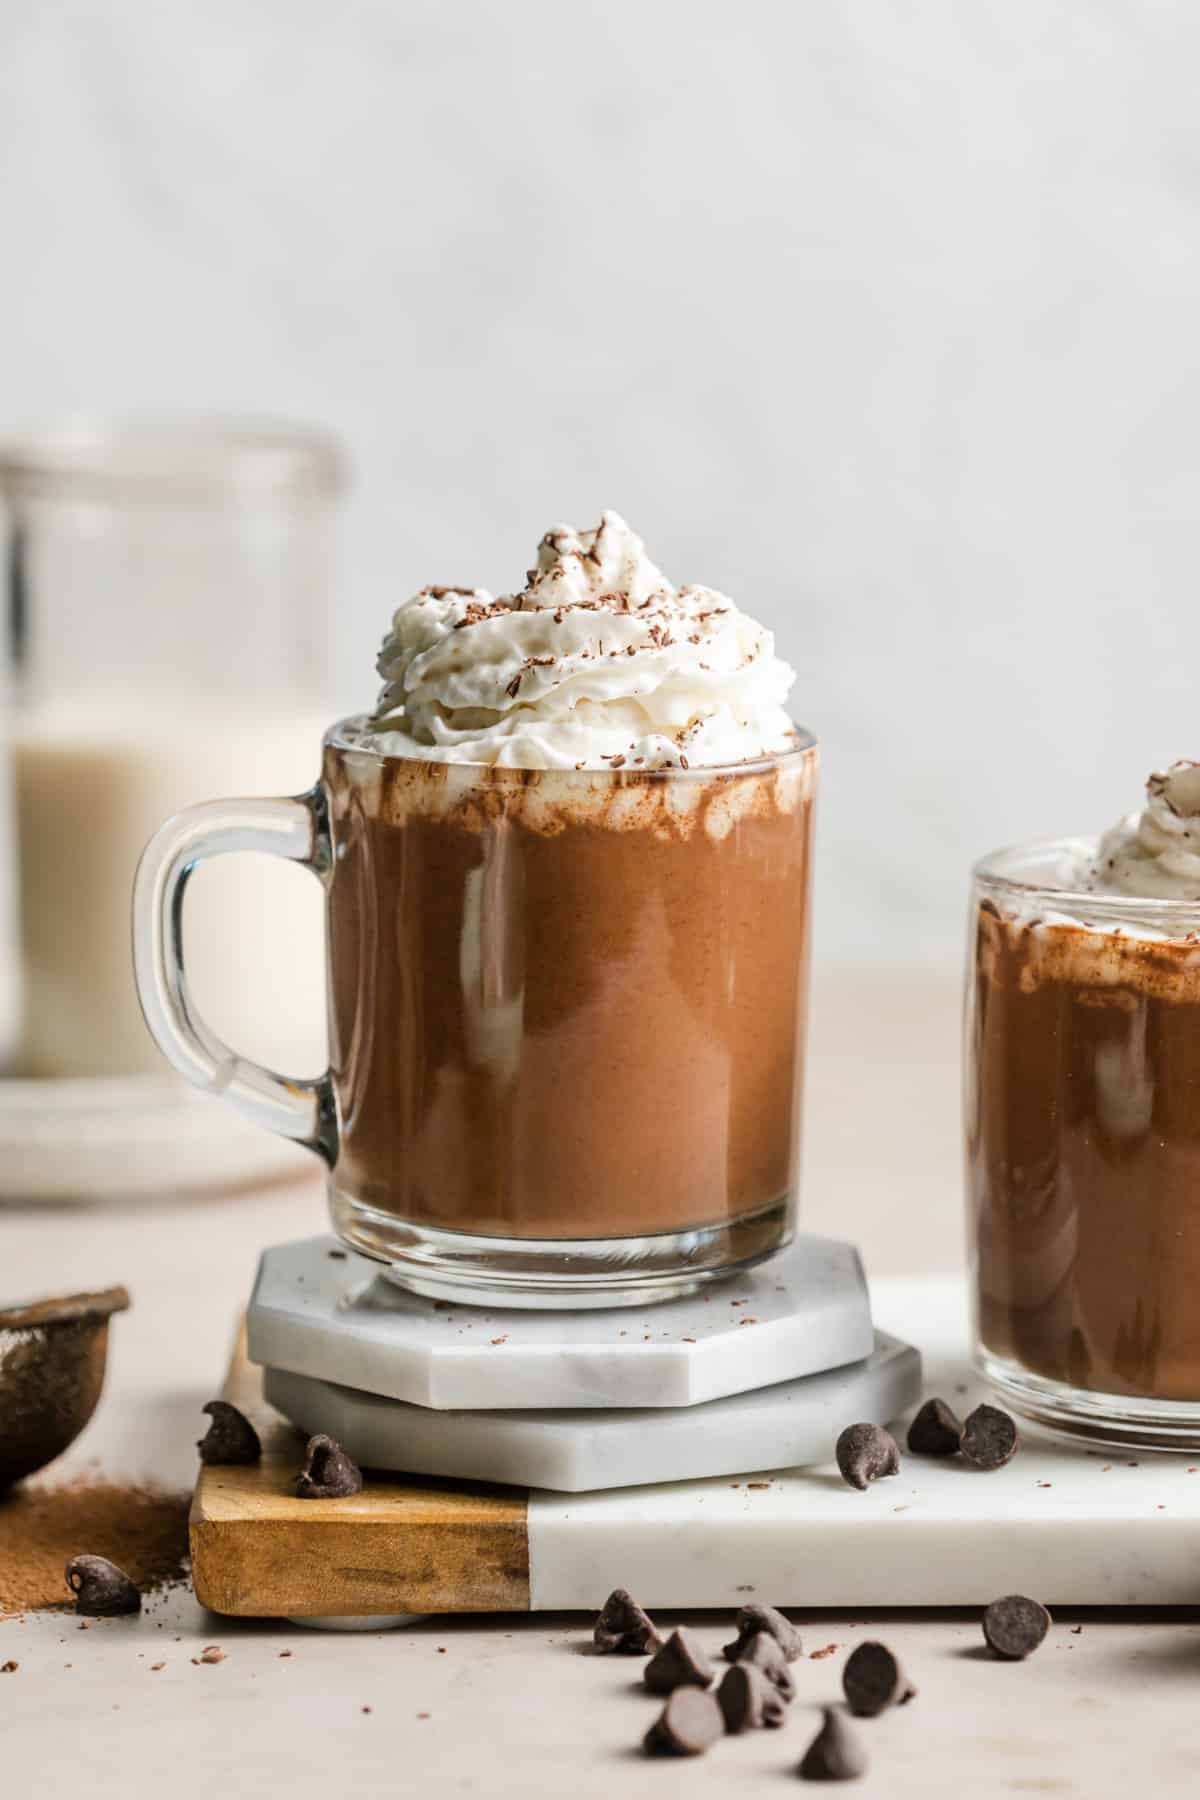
<point>566,1005</point>
<point>567,869</point>
<point>568,995</point>
<point>1083,1090</point>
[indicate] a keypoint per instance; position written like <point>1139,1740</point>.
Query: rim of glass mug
<point>1013,872</point>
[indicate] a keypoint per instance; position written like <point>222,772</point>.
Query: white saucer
<point>126,1137</point>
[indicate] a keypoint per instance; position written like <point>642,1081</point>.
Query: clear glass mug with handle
<point>567,1013</point>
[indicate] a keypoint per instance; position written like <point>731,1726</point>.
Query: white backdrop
<point>882,316</point>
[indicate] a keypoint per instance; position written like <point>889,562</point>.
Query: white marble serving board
<point>791,1422</point>
<point>320,1311</point>
<point>1073,1527</point>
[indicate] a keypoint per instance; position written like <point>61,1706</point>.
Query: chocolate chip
<point>689,1724</point>
<point>680,1662</point>
<point>873,1680</point>
<point>865,1453</point>
<point>1015,1626</point>
<point>763,1653</point>
<point>101,1590</point>
<point>328,1473</point>
<point>936,1430</point>
<point>747,1699</point>
<point>989,1437</point>
<point>623,1626</point>
<point>231,1438</point>
<point>835,1754</point>
<point>753,1620</point>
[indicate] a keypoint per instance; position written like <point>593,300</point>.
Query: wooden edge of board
<point>403,1545</point>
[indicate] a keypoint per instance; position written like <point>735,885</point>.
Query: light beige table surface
<point>516,1706</point>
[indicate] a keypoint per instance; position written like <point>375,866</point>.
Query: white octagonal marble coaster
<point>319,1310</point>
<point>785,1426</point>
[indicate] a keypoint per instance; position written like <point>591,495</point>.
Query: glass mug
<point>566,1013</point>
<point>1083,1150</point>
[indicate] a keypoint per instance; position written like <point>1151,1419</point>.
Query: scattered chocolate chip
<point>763,1653</point>
<point>748,1700</point>
<point>689,1724</point>
<point>1015,1626</point>
<point>285,1653</point>
<point>835,1754</point>
<point>989,1437</point>
<point>680,1662</point>
<point>336,1255</point>
<point>212,1653</point>
<point>624,1627</point>
<point>873,1680</point>
<point>825,1650</point>
<point>936,1430</point>
<point>231,1438</point>
<point>752,1620</point>
<point>1075,1630</point>
<point>328,1473</point>
<point>101,1590</point>
<point>9,1668</point>
<point>866,1453</point>
<point>155,1667</point>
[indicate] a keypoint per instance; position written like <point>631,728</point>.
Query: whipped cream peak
<point>1155,854</point>
<point>598,662</point>
<point>575,567</point>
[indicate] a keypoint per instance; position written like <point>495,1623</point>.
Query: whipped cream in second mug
<point>598,662</point>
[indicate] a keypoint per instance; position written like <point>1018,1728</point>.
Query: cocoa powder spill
<point>141,1529</point>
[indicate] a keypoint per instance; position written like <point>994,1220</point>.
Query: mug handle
<point>294,828</point>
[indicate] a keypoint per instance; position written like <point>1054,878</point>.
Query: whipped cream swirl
<point>1155,854</point>
<point>599,662</point>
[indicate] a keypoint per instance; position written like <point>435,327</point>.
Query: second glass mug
<point>567,1012</point>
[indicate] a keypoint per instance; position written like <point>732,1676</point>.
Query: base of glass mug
<point>557,1274</point>
<point>1123,1421</point>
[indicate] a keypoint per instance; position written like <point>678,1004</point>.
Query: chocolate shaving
<point>531,662</point>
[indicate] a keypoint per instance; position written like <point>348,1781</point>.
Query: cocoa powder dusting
<point>140,1529</point>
